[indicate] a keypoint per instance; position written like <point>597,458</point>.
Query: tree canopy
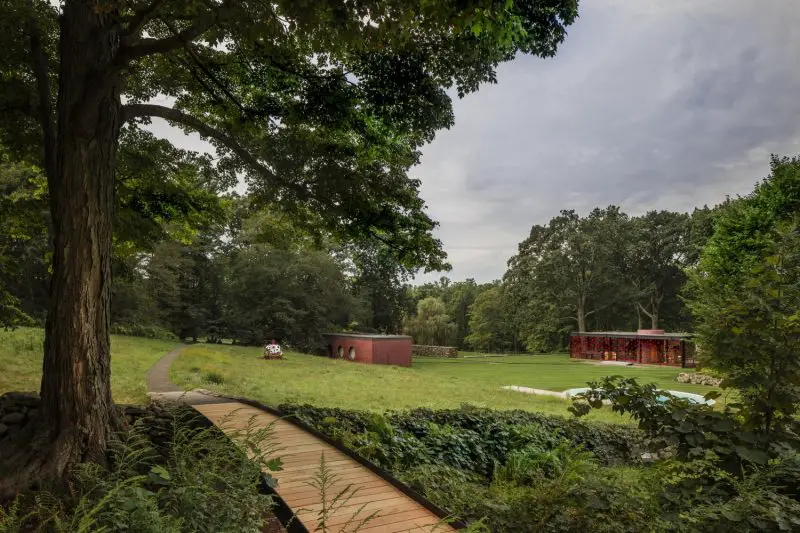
<point>743,295</point>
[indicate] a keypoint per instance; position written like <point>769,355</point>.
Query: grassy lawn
<point>434,383</point>
<point>131,357</point>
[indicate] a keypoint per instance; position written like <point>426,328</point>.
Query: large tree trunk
<point>77,411</point>
<point>654,318</point>
<point>581,318</point>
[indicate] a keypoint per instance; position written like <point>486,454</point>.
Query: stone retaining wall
<point>698,378</point>
<point>433,351</point>
<point>19,408</point>
<point>16,409</point>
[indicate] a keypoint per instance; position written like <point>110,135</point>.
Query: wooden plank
<point>350,508</point>
<point>301,466</point>
<point>348,479</point>
<point>396,527</point>
<point>309,457</point>
<point>291,492</point>
<point>383,519</point>
<point>310,497</point>
<point>381,493</point>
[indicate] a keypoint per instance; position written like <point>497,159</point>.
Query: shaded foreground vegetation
<point>168,472</point>
<point>517,471</point>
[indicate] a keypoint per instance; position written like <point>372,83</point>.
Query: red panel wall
<point>360,347</point>
<point>392,352</point>
<point>666,351</point>
<point>371,350</point>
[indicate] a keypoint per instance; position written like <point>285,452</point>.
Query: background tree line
<point>610,271</point>
<point>603,271</point>
<point>196,262</point>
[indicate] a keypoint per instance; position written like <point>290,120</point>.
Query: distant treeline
<point>193,262</point>
<point>606,271</point>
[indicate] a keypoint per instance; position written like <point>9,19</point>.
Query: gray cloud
<point>648,105</point>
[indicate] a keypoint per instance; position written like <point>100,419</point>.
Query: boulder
<point>12,419</point>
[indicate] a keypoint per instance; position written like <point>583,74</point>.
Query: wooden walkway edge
<point>300,452</point>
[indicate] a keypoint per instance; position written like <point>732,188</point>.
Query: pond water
<point>694,398</point>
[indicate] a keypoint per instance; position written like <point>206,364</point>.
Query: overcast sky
<point>649,104</point>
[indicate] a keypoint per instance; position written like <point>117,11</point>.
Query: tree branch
<point>40,71</point>
<point>593,311</point>
<point>645,311</point>
<point>141,17</point>
<point>133,47</point>
<point>132,111</point>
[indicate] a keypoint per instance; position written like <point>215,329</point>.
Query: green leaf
<point>476,29</point>
<point>753,455</point>
<point>731,514</point>
<point>723,425</point>
<point>160,471</point>
<point>274,465</point>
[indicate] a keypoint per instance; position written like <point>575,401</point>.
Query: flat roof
<point>632,334</point>
<point>366,335</point>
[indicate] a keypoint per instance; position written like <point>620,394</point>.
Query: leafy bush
<point>469,438</point>
<point>767,499</point>
<point>725,474</point>
<point>566,462</point>
<point>215,378</point>
<point>143,330</point>
<point>191,479</point>
<point>603,499</point>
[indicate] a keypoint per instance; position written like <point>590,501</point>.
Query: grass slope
<point>21,362</point>
<point>434,383</point>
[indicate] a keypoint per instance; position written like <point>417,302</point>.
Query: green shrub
<point>565,461</point>
<point>192,480</point>
<point>143,330</point>
<point>514,471</point>
<point>468,438</point>
<point>215,378</point>
<point>700,496</point>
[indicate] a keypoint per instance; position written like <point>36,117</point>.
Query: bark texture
<point>77,412</point>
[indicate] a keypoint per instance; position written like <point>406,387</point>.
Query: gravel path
<point>160,386</point>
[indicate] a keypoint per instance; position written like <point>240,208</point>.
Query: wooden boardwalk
<point>300,454</point>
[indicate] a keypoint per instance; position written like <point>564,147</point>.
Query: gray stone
<point>3,429</point>
<point>12,418</point>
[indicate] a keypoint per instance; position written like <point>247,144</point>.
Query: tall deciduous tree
<point>744,296</point>
<point>458,299</point>
<point>658,249</point>
<point>380,280</point>
<point>318,103</point>
<point>489,327</point>
<point>23,244</point>
<point>566,272</point>
<point>750,331</point>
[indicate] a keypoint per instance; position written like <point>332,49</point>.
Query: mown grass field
<point>434,383</point>
<point>21,362</point>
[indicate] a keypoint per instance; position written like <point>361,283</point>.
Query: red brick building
<point>370,349</point>
<point>646,346</point>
